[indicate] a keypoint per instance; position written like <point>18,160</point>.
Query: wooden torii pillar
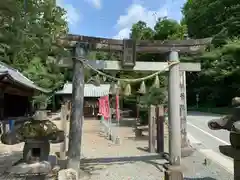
<point>129,48</point>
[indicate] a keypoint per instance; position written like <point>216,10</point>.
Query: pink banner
<point>104,107</point>
<point>117,108</point>
<point>100,106</point>
<point>107,110</point>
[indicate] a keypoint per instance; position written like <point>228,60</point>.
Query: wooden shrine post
<point>63,127</point>
<point>65,117</point>
<point>160,128</point>
<point>152,128</point>
<point>129,48</point>
<point>76,120</point>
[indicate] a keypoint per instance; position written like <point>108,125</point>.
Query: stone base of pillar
<point>173,175</point>
<point>173,172</point>
<point>186,148</point>
<point>68,174</point>
<point>187,151</point>
<point>234,153</point>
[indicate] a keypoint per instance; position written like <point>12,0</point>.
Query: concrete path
<point>206,141</point>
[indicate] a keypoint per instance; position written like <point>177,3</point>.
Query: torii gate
<point>82,44</point>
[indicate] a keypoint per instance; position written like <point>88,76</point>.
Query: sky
<point>114,18</point>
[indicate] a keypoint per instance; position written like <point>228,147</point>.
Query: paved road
<point>206,140</point>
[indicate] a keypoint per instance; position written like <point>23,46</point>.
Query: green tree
<point>218,78</point>
<point>140,31</point>
<point>169,29</point>
<point>28,33</point>
<point>208,17</point>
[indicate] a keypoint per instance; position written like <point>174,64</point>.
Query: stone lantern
<point>37,134</point>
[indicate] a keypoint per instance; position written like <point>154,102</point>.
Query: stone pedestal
<point>65,174</point>
<point>37,135</point>
<point>173,172</point>
<point>37,171</point>
<point>235,154</point>
<point>41,115</point>
<point>36,151</point>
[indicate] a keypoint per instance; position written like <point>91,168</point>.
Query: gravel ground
<point>197,167</point>
<point>130,171</point>
<point>127,161</point>
<point>194,167</point>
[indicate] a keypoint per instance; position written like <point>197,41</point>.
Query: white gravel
<point>94,146</point>
<point>129,171</point>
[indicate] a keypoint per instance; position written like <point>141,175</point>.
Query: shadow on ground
<point>194,113</point>
<point>9,159</point>
<point>122,159</point>
<point>90,166</point>
<point>126,122</point>
<point>142,138</point>
<point>205,178</point>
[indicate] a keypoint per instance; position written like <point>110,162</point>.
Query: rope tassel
<point>142,89</point>
<point>127,90</point>
<point>113,88</point>
<point>156,83</point>
<point>96,80</point>
<point>104,78</point>
<point>119,85</point>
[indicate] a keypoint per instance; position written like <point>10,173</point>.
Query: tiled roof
<point>18,77</point>
<point>90,90</point>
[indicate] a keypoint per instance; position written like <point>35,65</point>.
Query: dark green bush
<point>143,116</point>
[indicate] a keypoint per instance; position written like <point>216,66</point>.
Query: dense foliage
<point>28,32</point>
<point>219,79</point>
<point>208,17</point>
<point>27,39</point>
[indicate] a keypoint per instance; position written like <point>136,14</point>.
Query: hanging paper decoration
<point>104,78</point>
<point>156,83</point>
<point>94,80</point>
<point>113,88</point>
<point>119,85</point>
<point>127,90</point>
<point>97,77</point>
<point>142,89</point>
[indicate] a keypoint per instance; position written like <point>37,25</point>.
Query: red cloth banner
<point>104,107</point>
<point>117,108</point>
<point>100,106</point>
